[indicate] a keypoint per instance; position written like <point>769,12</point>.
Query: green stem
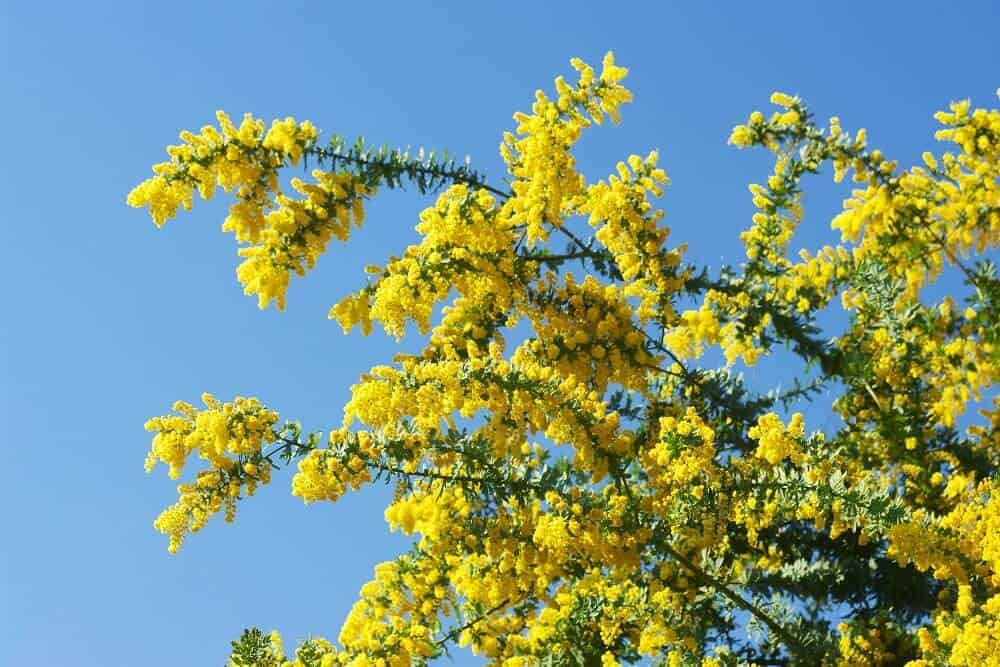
<point>455,632</point>
<point>456,176</point>
<point>790,640</point>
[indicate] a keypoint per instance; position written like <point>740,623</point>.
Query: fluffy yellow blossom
<point>776,442</point>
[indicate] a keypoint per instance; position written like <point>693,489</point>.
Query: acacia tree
<point>583,487</point>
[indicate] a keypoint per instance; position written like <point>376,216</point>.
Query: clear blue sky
<point>107,320</point>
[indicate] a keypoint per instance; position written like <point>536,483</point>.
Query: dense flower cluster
<point>285,235</point>
<point>545,182</point>
<point>231,437</point>
<point>581,485</point>
<point>296,233</point>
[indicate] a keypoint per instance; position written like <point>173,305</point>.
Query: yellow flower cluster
<point>871,645</point>
<point>945,352</point>
<point>394,621</point>
<point>326,474</point>
<point>222,433</point>
<point>231,437</point>
<point>708,325</point>
<point>936,213</point>
<point>775,441</point>
<point>587,330</point>
<point>244,159</point>
<point>961,548</point>
<point>966,638</point>
<point>463,247</point>
<point>779,211</point>
<point>296,233</point>
<point>631,231</point>
<point>284,234</point>
<point>546,183</point>
<point>682,463</point>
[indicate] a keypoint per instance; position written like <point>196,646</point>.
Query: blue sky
<point>107,320</point>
